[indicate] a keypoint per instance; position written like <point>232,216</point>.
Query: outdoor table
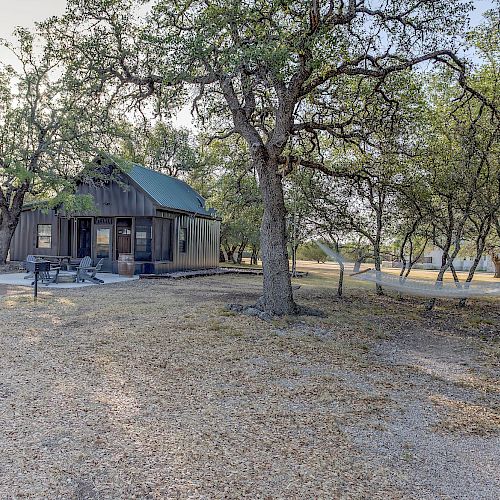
<point>59,259</point>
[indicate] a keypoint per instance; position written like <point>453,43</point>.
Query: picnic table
<point>59,260</point>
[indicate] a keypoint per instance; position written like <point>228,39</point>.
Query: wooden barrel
<point>126,264</point>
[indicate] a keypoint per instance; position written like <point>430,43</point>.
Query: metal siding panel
<point>24,241</point>
<point>192,249</point>
<point>206,245</point>
<point>202,253</point>
<point>196,247</point>
<point>113,200</point>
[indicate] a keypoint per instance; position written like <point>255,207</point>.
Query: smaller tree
<point>51,126</point>
<point>163,148</point>
<point>311,251</point>
<point>231,188</point>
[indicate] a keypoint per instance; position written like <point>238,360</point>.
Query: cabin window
<point>183,239</point>
<point>44,236</point>
<point>143,231</point>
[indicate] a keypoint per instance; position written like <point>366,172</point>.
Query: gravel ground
<point>152,389</point>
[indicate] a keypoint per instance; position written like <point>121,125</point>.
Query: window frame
<point>103,246</point>
<point>48,236</point>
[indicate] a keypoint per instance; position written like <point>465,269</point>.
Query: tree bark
<point>378,268</point>
<point>230,253</point>
<point>496,261</point>
<point>446,262</point>
<point>6,233</point>
<point>413,261</point>
<point>294,259</point>
<point>239,255</point>
<point>472,271</point>
<point>277,294</point>
<point>456,279</point>
<point>357,264</point>
<point>340,288</point>
<point>484,228</point>
<point>222,257</point>
<point>10,213</point>
<point>254,257</point>
<point>8,223</point>
<point>378,238</point>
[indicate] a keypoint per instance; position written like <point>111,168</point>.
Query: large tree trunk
<point>8,224</point>
<point>277,294</point>
<point>6,234</point>
<point>496,261</point>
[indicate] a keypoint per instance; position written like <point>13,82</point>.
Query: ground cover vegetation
<point>376,398</point>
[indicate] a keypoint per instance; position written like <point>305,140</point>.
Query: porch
<point>18,279</point>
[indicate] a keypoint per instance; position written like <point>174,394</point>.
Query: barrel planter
<point>126,264</point>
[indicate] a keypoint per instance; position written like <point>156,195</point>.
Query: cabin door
<point>84,238</point>
<point>123,236</point>
<point>104,246</point>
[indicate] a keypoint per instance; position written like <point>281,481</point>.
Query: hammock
<point>423,288</point>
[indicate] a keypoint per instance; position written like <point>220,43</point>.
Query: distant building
<point>433,260</point>
<point>158,219</point>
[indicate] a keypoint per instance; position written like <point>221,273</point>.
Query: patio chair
<point>29,258</point>
<point>86,272</point>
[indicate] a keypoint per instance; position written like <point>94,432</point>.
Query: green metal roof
<point>168,192</point>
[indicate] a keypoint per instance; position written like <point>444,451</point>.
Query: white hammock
<point>423,288</point>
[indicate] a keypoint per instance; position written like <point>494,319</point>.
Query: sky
<point>26,12</point>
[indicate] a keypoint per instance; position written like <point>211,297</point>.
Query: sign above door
<point>104,221</point>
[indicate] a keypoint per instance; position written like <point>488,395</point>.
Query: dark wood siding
<point>24,239</point>
<point>114,200</point>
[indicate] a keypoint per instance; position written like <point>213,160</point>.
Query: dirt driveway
<point>152,389</point>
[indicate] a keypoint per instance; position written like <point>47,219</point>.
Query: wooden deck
<point>207,272</point>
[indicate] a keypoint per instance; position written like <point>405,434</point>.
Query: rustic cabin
<point>159,220</point>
